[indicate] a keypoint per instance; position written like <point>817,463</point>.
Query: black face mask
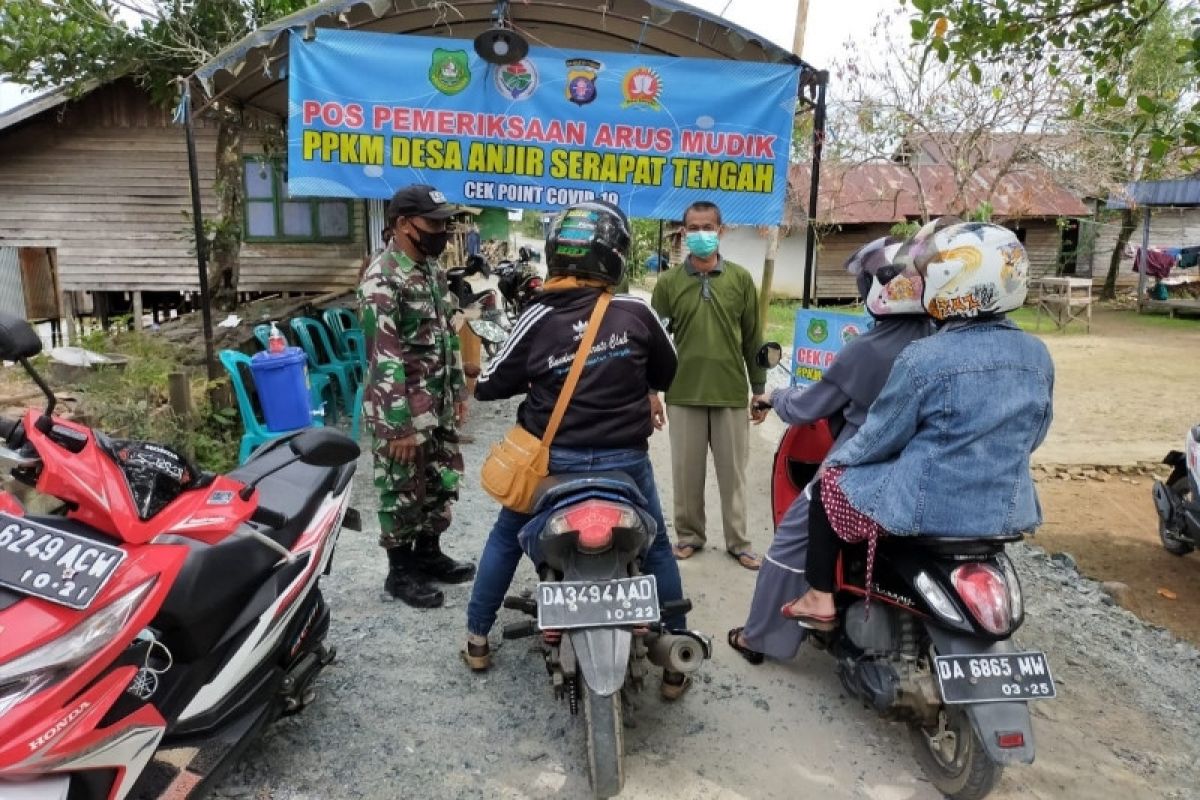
<point>430,244</point>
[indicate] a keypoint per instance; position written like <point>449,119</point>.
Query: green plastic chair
<point>323,359</point>
<point>356,346</point>
<point>321,394</point>
<point>255,432</point>
<point>342,322</point>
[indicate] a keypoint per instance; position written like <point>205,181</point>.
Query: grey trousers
<point>780,581</point>
<point>694,430</point>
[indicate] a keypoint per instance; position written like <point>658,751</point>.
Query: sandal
<point>477,656</point>
<point>672,691</point>
<point>685,551</point>
<point>813,622</point>
<point>753,656</point>
<point>748,559</point>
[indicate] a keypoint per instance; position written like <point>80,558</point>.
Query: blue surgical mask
<point>702,243</point>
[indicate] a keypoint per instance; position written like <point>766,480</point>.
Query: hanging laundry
<point>1158,262</point>
<point>1189,257</point>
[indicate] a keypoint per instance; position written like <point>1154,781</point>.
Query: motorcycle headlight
<point>36,670</point>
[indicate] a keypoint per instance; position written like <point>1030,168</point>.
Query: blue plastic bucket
<point>282,388</point>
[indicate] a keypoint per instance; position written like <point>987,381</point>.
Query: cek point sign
<point>371,112</point>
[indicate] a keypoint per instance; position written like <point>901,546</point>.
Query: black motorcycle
<point>519,283</point>
<point>934,647</point>
<point>481,308</point>
<point>1178,500</point>
<point>598,615</point>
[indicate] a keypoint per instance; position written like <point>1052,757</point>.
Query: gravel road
<point>399,716</point>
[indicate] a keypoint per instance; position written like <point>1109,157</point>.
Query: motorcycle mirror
<point>18,339</point>
<point>324,447</point>
<point>769,355</point>
<point>488,331</point>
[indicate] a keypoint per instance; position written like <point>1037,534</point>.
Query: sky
<point>830,24</point>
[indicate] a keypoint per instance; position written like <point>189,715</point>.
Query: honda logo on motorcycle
<point>59,726</point>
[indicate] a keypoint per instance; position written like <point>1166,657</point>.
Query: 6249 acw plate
<point>51,564</point>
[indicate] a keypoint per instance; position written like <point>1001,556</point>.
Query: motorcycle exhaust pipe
<point>676,652</point>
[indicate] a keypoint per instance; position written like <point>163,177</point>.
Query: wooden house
<point>95,190</point>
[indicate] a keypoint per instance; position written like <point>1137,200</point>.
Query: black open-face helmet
<point>589,240</point>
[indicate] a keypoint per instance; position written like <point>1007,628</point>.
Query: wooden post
<point>179,393</point>
<point>69,309</point>
<point>137,311</point>
<point>1144,258</point>
<point>768,274</point>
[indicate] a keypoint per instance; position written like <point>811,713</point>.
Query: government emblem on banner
<point>517,81</point>
<point>581,80</point>
<point>641,86</point>
<point>449,72</point>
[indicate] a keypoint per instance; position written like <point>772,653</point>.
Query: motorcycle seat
<point>292,494</point>
<point>555,488</point>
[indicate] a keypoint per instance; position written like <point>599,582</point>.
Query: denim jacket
<point>945,449</point>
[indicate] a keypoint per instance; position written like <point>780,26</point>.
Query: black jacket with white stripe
<point>632,356</point>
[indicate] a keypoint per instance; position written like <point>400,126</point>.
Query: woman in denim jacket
<point>945,449</point>
<point>893,297</point>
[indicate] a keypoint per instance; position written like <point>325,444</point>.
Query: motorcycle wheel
<point>605,742</point>
<point>953,758</point>
<point>1179,487</point>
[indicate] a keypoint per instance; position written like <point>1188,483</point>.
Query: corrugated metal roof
<point>253,72</point>
<point>1179,192</point>
<point>880,193</point>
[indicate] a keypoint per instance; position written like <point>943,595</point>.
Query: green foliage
<point>645,239</point>
<point>132,402</point>
<point>64,43</point>
<point>1105,34</point>
<point>981,213</point>
<point>905,229</point>
<point>531,224</point>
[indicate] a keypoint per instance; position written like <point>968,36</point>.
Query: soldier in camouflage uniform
<point>415,396</point>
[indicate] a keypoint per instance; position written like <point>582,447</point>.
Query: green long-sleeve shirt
<point>714,319</point>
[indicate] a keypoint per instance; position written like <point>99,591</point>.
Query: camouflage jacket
<point>414,372</point>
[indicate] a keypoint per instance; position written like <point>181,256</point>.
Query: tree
<point>1116,143</point>
<point>896,106</point>
<point>79,43</point>
<point>1018,35</point>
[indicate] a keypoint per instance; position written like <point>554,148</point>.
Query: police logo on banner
<point>581,80</point>
<point>517,81</point>
<point>448,71</point>
<point>642,87</point>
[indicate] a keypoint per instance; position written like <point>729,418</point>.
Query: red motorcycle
<point>935,648</point>
<point>155,624</point>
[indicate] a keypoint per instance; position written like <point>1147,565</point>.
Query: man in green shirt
<point>711,306</point>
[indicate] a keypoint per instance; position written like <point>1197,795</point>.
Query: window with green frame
<point>272,216</point>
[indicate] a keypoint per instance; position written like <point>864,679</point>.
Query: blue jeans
<point>502,552</point>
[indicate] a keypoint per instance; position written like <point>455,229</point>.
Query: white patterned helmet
<point>888,289</point>
<point>972,269</point>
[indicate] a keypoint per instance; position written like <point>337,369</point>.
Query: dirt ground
<point>1111,530</point>
<point>1123,393</point>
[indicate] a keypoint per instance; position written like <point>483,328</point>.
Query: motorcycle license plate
<point>595,604</point>
<point>44,562</point>
<point>994,678</point>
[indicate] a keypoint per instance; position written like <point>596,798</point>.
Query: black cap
<point>418,200</point>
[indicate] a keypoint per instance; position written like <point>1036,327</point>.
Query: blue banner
<point>818,338</point>
<point>370,112</point>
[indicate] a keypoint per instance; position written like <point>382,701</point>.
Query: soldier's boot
<point>429,558</point>
<point>407,582</point>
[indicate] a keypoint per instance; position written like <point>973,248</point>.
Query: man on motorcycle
<point>608,422</point>
<point>945,449</point>
<point>892,295</point>
<point>414,397</point>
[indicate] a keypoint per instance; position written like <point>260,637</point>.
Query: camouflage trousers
<point>415,498</point>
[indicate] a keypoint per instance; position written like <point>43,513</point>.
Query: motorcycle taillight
<point>594,521</point>
<point>983,589</point>
<point>535,283</point>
